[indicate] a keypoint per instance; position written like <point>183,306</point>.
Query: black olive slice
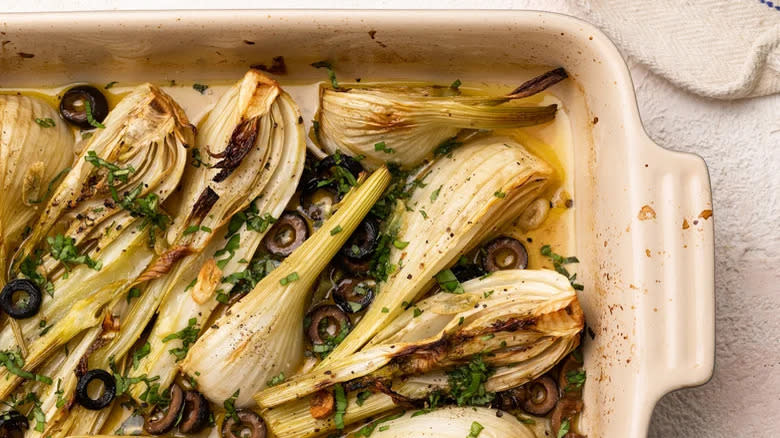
<point>249,425</point>
<point>159,422</point>
<point>318,203</point>
<point>327,322</point>
<point>74,109</point>
<point>542,396</point>
<point>504,253</point>
<point>362,242</point>
<point>465,272</point>
<point>82,390</point>
<point>325,168</point>
<point>196,412</point>
<point>20,298</point>
<point>288,233</point>
<point>355,266</point>
<point>354,294</point>
<point>13,424</point>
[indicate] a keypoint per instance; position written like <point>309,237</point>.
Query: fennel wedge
<point>501,314</point>
<point>449,422</point>
<point>261,335</point>
<point>406,124</point>
<point>35,149</point>
<point>514,325</point>
<point>465,209</point>
<point>266,177</point>
<point>102,224</point>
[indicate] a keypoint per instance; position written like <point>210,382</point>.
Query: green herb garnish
<point>188,335</point>
<point>289,279</point>
<point>559,262</point>
<point>200,88</point>
<point>275,380</point>
<point>45,123</point>
<point>64,249</point>
<point>90,118</point>
<point>467,383</point>
<point>448,282</point>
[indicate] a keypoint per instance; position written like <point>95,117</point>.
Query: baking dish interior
<point>609,147</point>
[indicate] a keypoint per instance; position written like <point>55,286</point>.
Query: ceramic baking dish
<point>643,214</point>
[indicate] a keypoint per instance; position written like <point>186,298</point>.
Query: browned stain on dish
<point>25,55</point>
<point>685,224</point>
<point>647,252</point>
<point>705,214</point>
<point>645,213</point>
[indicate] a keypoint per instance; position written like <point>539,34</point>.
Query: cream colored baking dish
<point>643,214</point>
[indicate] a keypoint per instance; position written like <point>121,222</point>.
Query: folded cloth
<point>726,49</point>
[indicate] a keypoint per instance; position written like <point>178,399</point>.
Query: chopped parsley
<point>574,380</point>
<point>382,147</point>
<point>385,310</point>
<point>60,395</point>
<point>381,268</point>
<point>14,363</point>
<point>147,208</point>
<point>559,262</point>
<point>275,380</point>
<point>110,84</point>
<point>45,123</point>
<point>565,426</point>
<point>449,283</point>
<point>341,406</point>
<point>335,230</point>
<point>230,406</point>
<point>140,354</point>
<point>446,147</point>
<point>456,84</point>
<point>417,311</point>
<point>467,383</point>
<point>399,244</point>
<point>194,229</point>
<point>340,176</point>
<point>289,279</point>
<point>331,342</point>
<point>90,118</point>
<point>244,281</point>
<point>331,74</point>
<point>188,335</point>
<point>29,268</point>
<point>435,194</point>
<point>362,396</point>
<point>499,194</point>
<point>134,292</point>
<point>230,249</point>
<point>114,172</point>
<point>64,249</point>
<point>36,412</point>
<point>252,218</point>
<point>476,429</point>
<point>197,160</point>
<point>200,88</point>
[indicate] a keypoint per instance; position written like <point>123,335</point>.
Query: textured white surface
<point>740,140</point>
<point>743,35</point>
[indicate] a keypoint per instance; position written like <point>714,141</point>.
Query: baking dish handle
<point>676,267</point>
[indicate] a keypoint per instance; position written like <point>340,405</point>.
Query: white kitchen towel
<point>726,49</point>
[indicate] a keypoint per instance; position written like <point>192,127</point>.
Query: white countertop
<point>740,140</point>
